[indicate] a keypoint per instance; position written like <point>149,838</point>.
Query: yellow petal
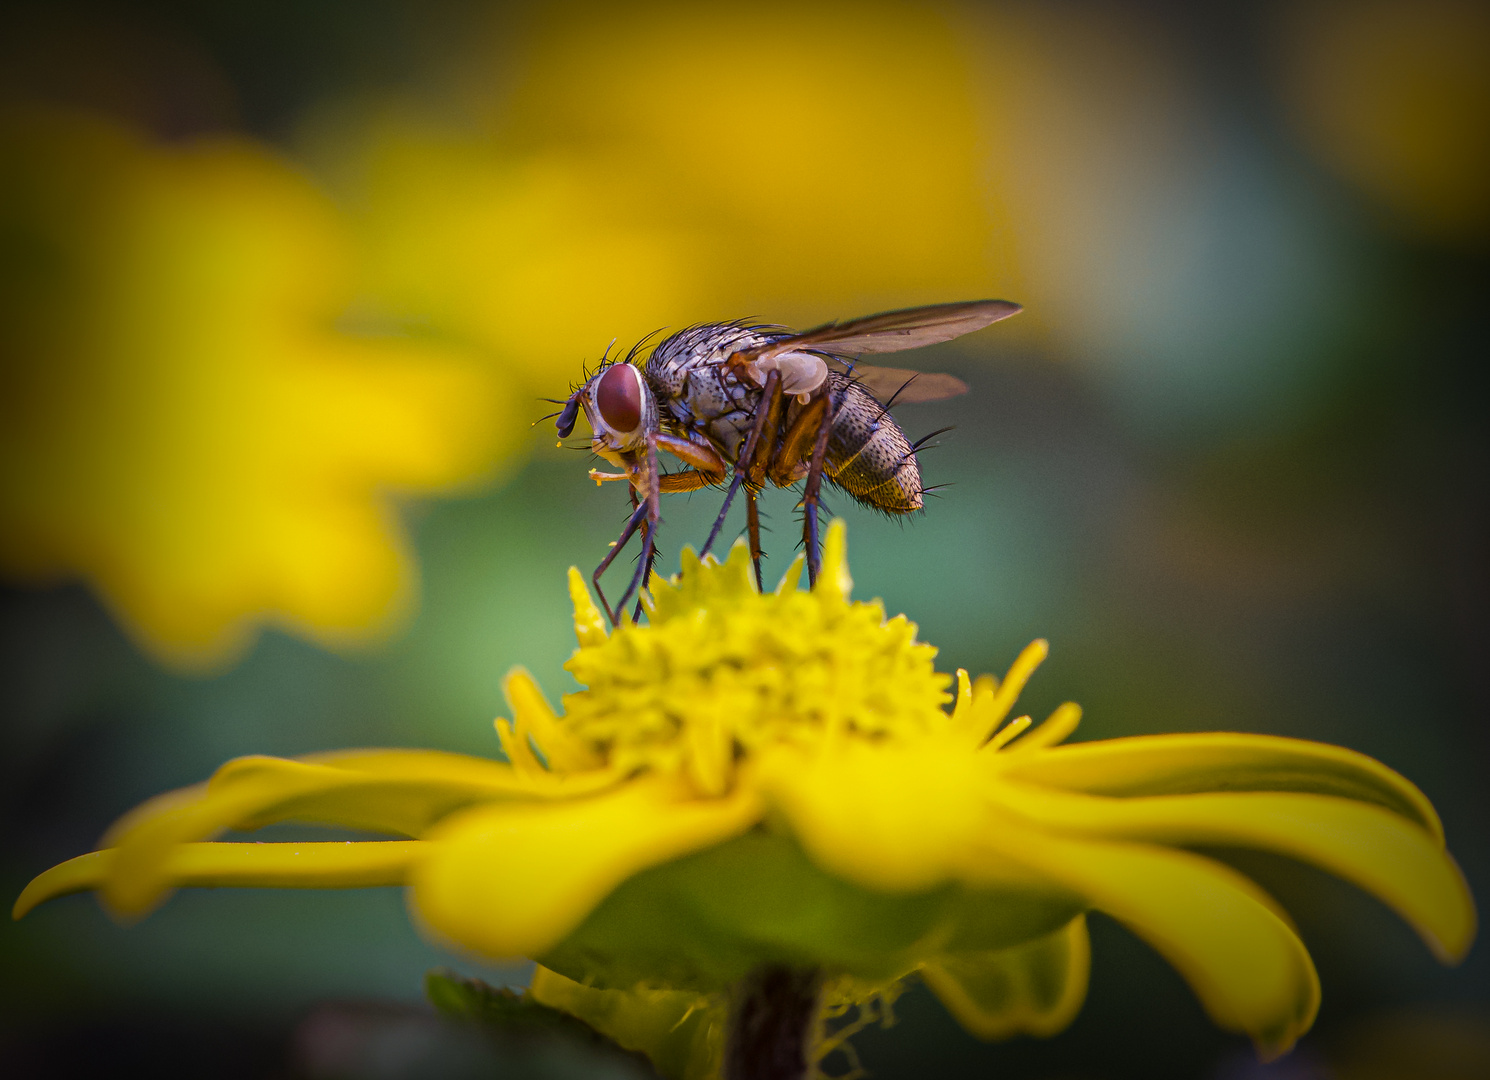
<point>496,778</point>
<point>964,699</point>
<point>589,627</point>
<point>533,716</point>
<point>281,866</point>
<point>401,792</point>
<point>1056,728</point>
<point>145,836</point>
<point>1009,732</point>
<point>900,818</point>
<point>1389,856</point>
<point>793,575</point>
<point>406,791</point>
<point>833,581</point>
<point>518,751</point>
<point>992,709</point>
<point>1031,989</point>
<point>513,880</point>
<point>1219,930</point>
<point>682,1033</point>
<point>1222,761</point>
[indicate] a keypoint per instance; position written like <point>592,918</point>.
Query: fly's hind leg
<point>753,519</point>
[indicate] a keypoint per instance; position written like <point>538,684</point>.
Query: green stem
<point>773,1020</point>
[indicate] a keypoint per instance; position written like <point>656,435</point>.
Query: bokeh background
<point>281,284</point>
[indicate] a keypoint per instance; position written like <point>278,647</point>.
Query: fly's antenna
<point>568,414</point>
<point>550,416</point>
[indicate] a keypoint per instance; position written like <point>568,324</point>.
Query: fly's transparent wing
<point>907,387</point>
<point>894,331</point>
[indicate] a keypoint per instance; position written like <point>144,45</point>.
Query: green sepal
<point>704,921</point>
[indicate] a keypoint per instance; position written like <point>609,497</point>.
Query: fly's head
<point>621,410</point>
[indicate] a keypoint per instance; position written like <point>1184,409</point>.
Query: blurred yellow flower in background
<point>758,782</point>
<point>183,424</point>
<point>1394,95</point>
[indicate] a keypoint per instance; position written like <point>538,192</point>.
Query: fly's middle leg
<point>785,468</point>
<point>770,393</point>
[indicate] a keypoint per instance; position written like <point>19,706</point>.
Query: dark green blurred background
<point>1251,491</point>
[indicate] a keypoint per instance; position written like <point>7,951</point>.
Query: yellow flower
<point>182,423</point>
<point>753,782</point>
<point>1394,97</point>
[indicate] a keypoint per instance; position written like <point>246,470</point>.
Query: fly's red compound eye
<point>619,398</point>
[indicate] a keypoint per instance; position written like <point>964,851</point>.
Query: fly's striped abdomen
<point>868,455</point>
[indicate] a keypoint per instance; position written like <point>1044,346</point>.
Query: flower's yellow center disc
<point>721,670</point>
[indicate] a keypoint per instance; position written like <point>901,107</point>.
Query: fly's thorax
<point>697,390</point>
<point>710,344</point>
<point>869,455</point>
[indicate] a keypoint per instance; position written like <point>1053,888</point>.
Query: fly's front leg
<point>814,485</point>
<point>646,529</point>
<point>637,515</point>
<point>649,515</point>
<point>708,466</point>
<point>686,480</point>
<point>771,390</point>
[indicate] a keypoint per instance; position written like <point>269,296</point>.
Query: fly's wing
<point>895,331</point>
<point>889,331</point>
<point>906,387</point>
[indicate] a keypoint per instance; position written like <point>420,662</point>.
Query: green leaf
<point>508,1014</point>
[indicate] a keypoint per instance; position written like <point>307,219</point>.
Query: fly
<point>757,404</point>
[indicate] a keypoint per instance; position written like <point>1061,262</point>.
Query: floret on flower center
<point>722,670</point>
